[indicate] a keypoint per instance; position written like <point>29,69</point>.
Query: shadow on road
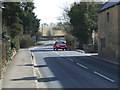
<point>26,65</point>
<point>45,50</point>
<point>66,71</point>
<point>24,78</point>
<point>39,66</point>
<point>47,79</point>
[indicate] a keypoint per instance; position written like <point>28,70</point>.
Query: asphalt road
<point>71,69</point>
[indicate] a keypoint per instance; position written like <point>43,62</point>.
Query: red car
<point>60,45</point>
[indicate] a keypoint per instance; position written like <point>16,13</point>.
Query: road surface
<point>71,69</point>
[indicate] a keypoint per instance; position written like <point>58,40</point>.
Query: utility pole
<point>42,29</point>
<point>93,39</point>
<point>44,24</point>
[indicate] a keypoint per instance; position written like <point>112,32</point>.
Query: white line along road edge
<point>36,73</point>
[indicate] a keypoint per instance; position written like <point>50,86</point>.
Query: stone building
<point>109,30</point>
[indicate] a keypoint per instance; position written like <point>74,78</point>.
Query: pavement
<point>19,73</point>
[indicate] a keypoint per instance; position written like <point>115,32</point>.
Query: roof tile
<point>109,4</point>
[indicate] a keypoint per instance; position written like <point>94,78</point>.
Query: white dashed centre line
<point>61,55</point>
<point>58,53</point>
<point>82,65</point>
<point>70,59</point>
<point>103,76</point>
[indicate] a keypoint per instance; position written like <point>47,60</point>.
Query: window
<point>108,16</point>
<point>60,42</point>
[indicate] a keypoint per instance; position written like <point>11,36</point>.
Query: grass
<point>39,43</point>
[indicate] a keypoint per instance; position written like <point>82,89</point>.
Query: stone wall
<point>108,33</point>
<point>89,48</point>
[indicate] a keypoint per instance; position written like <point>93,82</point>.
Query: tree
<point>5,33</point>
<point>30,21</point>
<point>19,19</point>
<point>50,34</point>
<point>11,18</point>
<point>38,35</point>
<point>83,18</point>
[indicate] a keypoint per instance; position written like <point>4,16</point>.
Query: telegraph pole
<point>93,39</point>
<point>42,29</point>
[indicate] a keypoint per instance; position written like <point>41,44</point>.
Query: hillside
<point>53,30</point>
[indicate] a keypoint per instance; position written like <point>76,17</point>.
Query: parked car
<point>60,45</point>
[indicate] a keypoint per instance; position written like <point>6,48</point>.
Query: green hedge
<point>6,52</point>
<point>15,43</point>
<point>8,44</point>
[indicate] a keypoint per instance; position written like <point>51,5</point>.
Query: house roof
<point>109,4</point>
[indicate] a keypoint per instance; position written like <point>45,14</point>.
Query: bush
<point>6,52</point>
<point>15,43</point>
<point>6,46</point>
<point>26,41</point>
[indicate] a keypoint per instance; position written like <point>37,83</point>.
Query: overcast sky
<point>49,10</point>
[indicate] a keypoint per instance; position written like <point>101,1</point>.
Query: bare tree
<point>50,33</point>
<point>38,35</point>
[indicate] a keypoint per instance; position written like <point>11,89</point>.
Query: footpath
<point>19,73</point>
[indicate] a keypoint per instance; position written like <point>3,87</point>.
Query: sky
<point>49,10</point>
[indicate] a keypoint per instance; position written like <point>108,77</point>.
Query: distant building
<point>109,31</point>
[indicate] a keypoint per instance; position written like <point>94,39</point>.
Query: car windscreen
<point>60,42</point>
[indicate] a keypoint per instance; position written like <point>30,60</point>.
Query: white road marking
<point>82,65</point>
<point>70,59</point>
<point>37,73</point>
<point>78,64</point>
<point>103,76</point>
<point>33,48</point>
<point>34,71</point>
<point>58,53</point>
